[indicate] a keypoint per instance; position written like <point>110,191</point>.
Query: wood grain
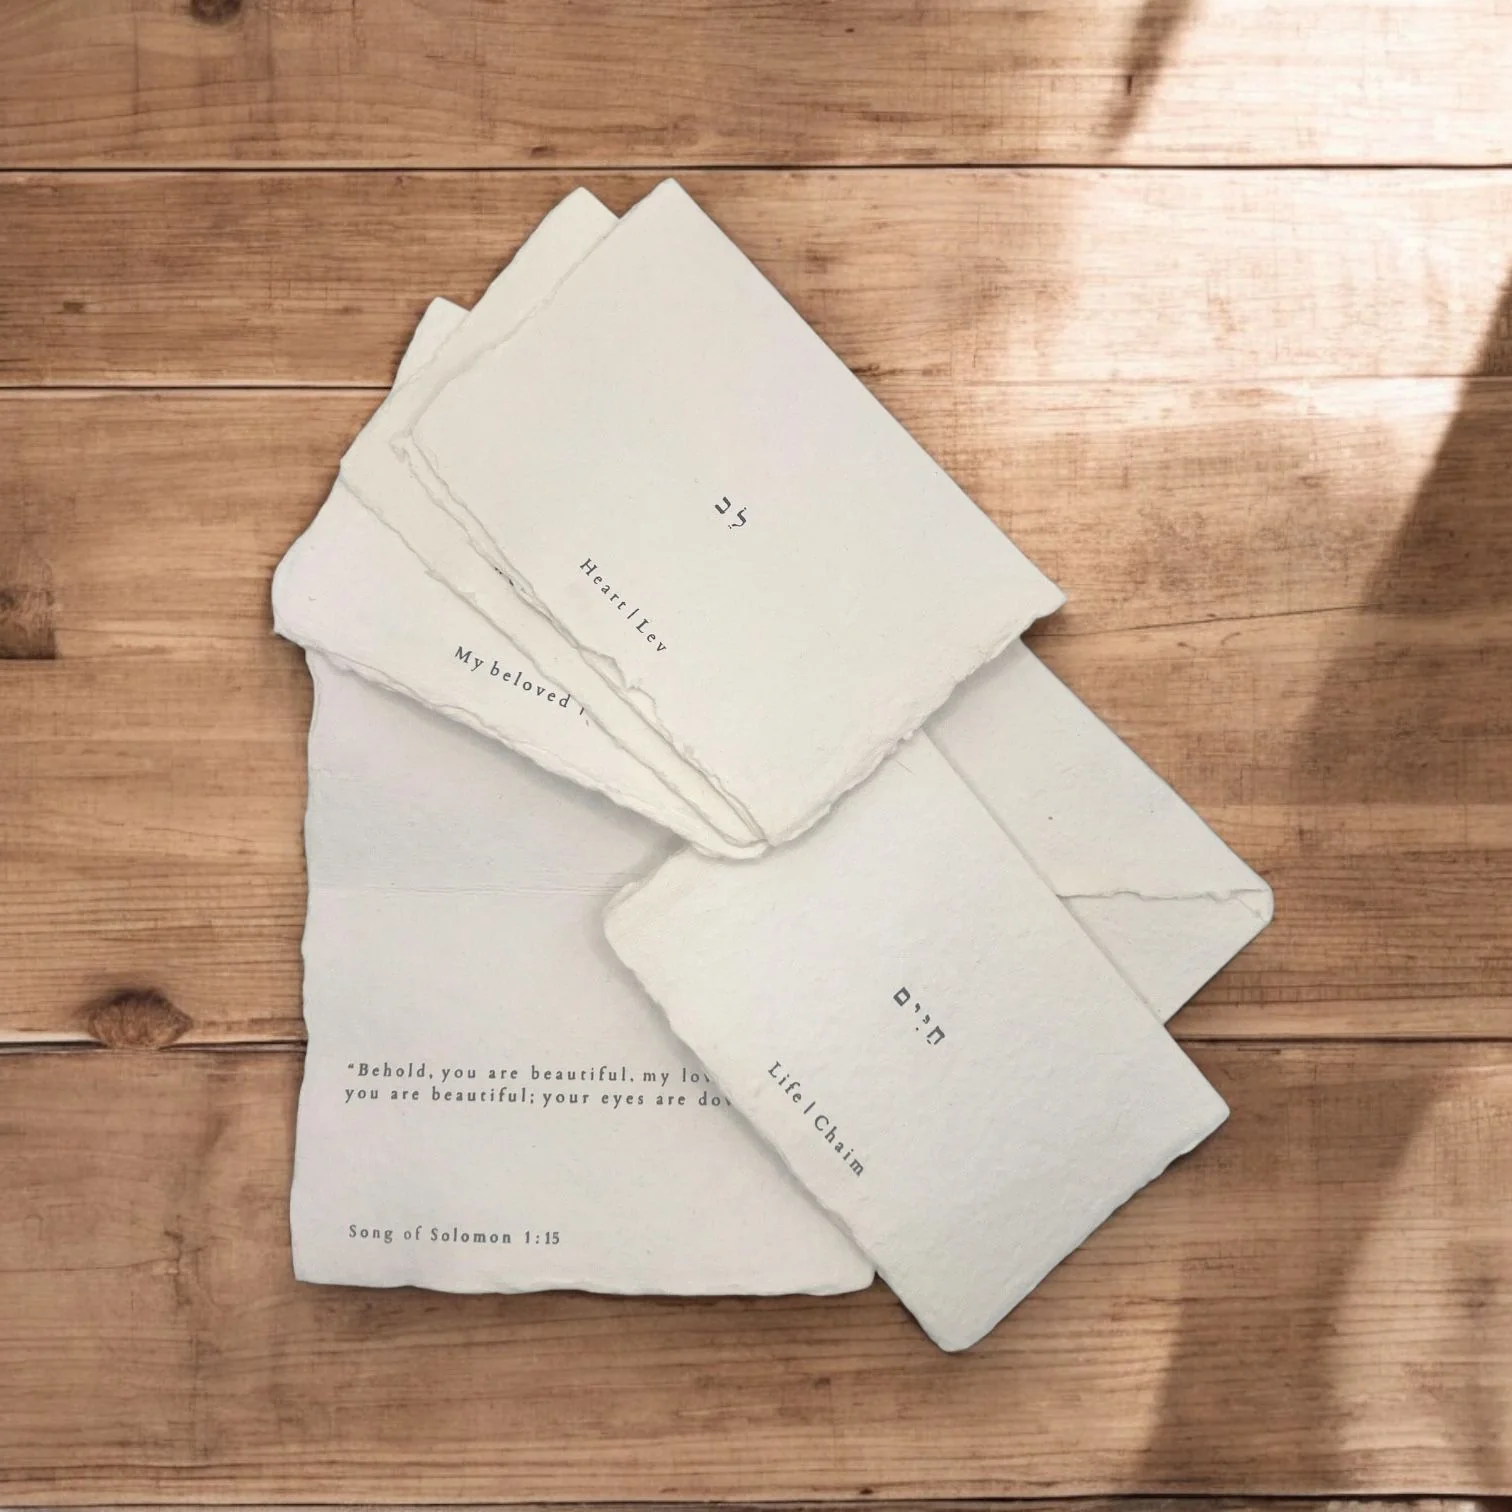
<point>1291,599</point>
<point>1315,1302</point>
<point>174,83</point>
<point>154,520</point>
<point>985,1504</point>
<point>960,277</point>
<point>1223,407</point>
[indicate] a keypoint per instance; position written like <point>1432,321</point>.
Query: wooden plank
<point>461,82</point>
<point>151,522</point>
<point>1042,1504</point>
<point>1050,276</point>
<point>1316,1302</point>
<point>1341,716</point>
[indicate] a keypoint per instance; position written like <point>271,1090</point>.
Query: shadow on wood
<point>1452,557</point>
<point>1155,29</point>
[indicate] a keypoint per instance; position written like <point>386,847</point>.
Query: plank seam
<point>1005,385</point>
<point>1196,1042</point>
<point>1057,165</point>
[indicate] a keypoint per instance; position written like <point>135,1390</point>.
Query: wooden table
<point>1206,303</point>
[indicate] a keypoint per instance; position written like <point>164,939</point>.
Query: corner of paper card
<point>579,196</point>
<point>1261,901</point>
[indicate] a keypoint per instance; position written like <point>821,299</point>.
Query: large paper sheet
<point>489,1102</point>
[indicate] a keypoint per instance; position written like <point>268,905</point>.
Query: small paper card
<point>943,1057</point>
<point>489,1101</point>
<point>666,460</point>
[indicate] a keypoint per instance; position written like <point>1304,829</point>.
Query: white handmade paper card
<point>668,462</point>
<point>489,1102</point>
<point>914,1020</point>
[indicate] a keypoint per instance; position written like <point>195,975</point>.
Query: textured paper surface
<point>353,590</point>
<point>918,1025</point>
<point>1167,901</point>
<point>671,464</point>
<point>415,508</point>
<point>453,954</point>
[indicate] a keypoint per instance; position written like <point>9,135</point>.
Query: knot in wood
<point>214,11</point>
<point>26,624</point>
<point>137,1018</point>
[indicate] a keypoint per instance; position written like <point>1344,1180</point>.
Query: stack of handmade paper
<point>629,555</point>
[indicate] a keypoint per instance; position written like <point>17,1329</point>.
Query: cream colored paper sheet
<point>489,1103</point>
